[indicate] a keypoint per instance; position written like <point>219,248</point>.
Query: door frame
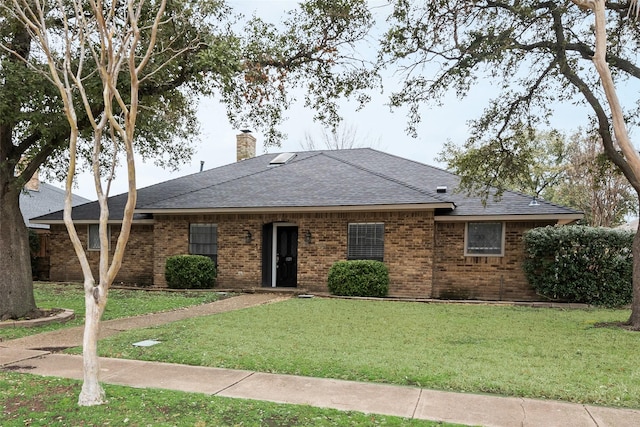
<point>274,249</point>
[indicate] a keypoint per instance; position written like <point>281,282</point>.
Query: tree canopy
<point>254,69</point>
<point>539,54</point>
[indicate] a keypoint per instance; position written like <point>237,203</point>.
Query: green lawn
<point>121,303</point>
<point>52,402</point>
<point>541,353</point>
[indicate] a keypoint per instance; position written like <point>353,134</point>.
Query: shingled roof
<point>45,199</point>
<point>330,180</point>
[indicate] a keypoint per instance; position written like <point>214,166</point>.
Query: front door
<point>286,256</point>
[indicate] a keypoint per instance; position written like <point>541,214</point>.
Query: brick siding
<point>137,263</point>
<point>457,276</point>
<point>425,259</point>
<point>408,247</point>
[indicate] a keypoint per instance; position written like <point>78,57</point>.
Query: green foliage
<point>34,242</point>
<point>363,278</point>
<point>580,264</point>
<point>190,272</point>
<point>34,248</point>
<point>537,56</point>
<point>314,51</point>
<point>526,160</point>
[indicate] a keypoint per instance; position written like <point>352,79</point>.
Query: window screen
<point>484,238</point>
<point>93,240</point>
<point>203,240</point>
<point>366,241</point>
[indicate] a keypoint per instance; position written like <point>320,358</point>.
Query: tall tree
<point>529,162</point>
<point>341,137</point>
<point>255,72</point>
<point>115,42</point>
<point>571,171</point>
<point>539,53</point>
<point>593,184</point>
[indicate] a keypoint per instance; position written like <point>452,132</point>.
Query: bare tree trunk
<point>92,392</point>
<point>634,320</point>
<point>16,284</point>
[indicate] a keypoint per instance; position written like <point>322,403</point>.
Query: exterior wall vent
<point>441,189</point>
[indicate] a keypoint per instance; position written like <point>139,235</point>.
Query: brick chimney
<point>245,145</point>
<point>34,183</point>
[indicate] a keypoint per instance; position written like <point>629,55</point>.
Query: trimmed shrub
<point>361,278</point>
<point>190,272</point>
<point>580,264</point>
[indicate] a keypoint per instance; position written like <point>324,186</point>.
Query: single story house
<point>282,220</point>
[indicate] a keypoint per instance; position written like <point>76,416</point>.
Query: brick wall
<point>137,264</point>
<point>408,247</point>
<point>425,259</point>
<point>489,278</point>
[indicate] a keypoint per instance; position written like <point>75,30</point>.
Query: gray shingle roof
<point>317,179</point>
<point>47,199</point>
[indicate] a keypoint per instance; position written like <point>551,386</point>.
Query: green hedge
<point>362,278</point>
<point>190,272</point>
<point>580,264</point>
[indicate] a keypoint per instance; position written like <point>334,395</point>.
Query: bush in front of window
<point>190,272</point>
<point>359,278</point>
<point>580,264</point>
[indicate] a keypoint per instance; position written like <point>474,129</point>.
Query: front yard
<point>529,352</point>
<point>541,353</point>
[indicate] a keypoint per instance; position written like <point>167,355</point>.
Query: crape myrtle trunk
<point>634,320</point>
<point>16,283</point>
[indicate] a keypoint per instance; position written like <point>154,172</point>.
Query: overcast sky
<point>375,122</point>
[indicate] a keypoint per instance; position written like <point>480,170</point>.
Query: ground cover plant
<point>122,303</point>
<point>39,401</point>
<point>517,351</point>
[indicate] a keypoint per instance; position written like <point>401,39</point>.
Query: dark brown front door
<point>287,256</point>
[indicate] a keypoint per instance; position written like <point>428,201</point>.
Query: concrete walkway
<point>409,402</point>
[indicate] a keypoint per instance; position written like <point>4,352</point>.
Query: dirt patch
<point>39,317</point>
<point>620,325</point>
<point>17,368</point>
<point>15,407</point>
<point>52,349</point>
<point>38,313</point>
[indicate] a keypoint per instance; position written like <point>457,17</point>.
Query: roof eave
<point>562,219</point>
<point>353,208</point>
<point>90,221</point>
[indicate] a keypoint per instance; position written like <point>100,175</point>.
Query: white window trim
<point>466,239</point>
<point>89,248</point>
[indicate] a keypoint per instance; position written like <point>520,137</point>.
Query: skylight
<point>283,158</point>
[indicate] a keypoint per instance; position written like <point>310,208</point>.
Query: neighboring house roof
<point>329,180</point>
<point>46,199</point>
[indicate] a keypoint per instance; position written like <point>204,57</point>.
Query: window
<point>203,240</point>
<point>93,241</point>
<point>484,238</point>
<point>365,241</point>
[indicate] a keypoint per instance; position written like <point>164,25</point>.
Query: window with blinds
<point>203,240</point>
<point>365,241</point>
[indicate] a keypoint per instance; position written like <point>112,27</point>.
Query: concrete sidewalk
<point>408,402</point>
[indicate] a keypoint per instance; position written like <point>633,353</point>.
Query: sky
<point>386,129</point>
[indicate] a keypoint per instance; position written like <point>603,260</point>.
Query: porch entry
<point>280,255</point>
